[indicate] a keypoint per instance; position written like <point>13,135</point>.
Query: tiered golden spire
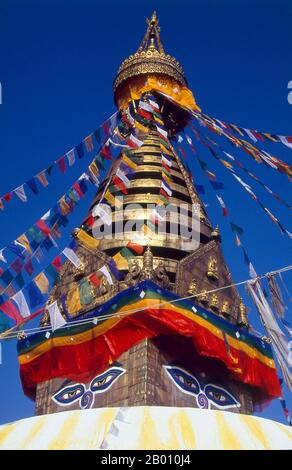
<point>150,58</point>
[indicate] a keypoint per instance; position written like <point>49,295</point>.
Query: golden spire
<point>150,58</point>
<point>152,36</point>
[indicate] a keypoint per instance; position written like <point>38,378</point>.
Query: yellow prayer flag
<point>93,168</point>
<point>140,127</point>
<point>159,120</point>
<point>120,261</point>
<point>1,204</point>
<point>225,163</point>
<point>129,162</point>
<point>64,207</point>
<point>24,241</point>
<point>42,282</point>
<point>165,150</point>
<point>114,201</point>
<point>166,178</point>
<point>87,240</point>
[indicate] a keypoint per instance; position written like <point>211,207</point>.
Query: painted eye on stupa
<point>68,395</point>
<point>103,382</point>
<point>220,397</point>
<point>183,380</point>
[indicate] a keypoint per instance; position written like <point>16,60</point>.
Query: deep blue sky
<point>58,61</point>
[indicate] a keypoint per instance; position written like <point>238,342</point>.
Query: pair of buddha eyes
<point>190,385</point>
<point>185,381</point>
<point>99,384</point>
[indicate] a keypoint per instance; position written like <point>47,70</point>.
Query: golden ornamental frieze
<point>139,66</point>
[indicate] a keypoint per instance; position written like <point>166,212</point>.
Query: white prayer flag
<point>2,257</point>
<point>71,255</point>
<point>98,211</point>
<point>285,141</point>
<point>250,135</point>
<point>120,174</point>
<point>21,193</point>
<point>21,302</point>
<point>71,157</point>
<point>106,272</point>
<point>166,189</point>
<point>146,106</point>
<point>57,321</point>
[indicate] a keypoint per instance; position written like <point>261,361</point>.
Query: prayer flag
<point>57,320</point>
<point>21,193</point>
<point>42,178</point>
<point>22,305</point>
<point>71,255</point>
<point>88,143</point>
<point>32,185</point>
<point>87,240</point>
<point>42,282</point>
<point>71,157</point>
<point>10,309</point>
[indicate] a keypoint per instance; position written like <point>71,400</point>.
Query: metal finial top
<point>150,58</point>
<point>151,40</point>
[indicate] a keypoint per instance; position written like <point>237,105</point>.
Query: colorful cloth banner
<point>250,361</point>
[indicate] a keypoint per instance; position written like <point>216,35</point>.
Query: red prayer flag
<point>138,249</point>
<point>10,309</point>
<point>62,164</point>
<point>94,280</point>
<point>120,185</point>
<point>7,196</point>
<point>43,227</point>
<point>105,127</point>
<point>29,267</point>
<point>77,188</point>
<point>90,221</point>
<point>105,152</point>
<point>57,263</point>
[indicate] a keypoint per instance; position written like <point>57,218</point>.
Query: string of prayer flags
<point>248,189</point>
<point>260,156</point>
<point>222,204</point>
<point>68,159</point>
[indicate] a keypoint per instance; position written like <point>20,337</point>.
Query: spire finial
<point>151,40</point>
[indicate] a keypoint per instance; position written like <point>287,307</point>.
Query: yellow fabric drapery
<point>139,85</point>
<point>73,303</point>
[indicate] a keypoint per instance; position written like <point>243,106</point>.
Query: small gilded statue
<point>225,309</point>
<point>242,315</point>
<point>212,272</point>
<point>193,288</point>
<point>214,302</point>
<point>204,297</point>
